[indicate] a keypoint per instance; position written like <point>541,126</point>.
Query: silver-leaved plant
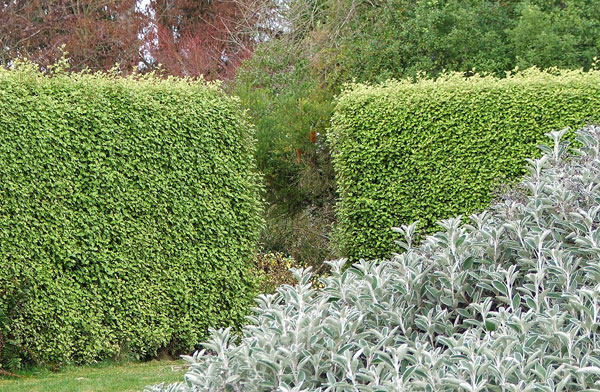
<point>509,301</point>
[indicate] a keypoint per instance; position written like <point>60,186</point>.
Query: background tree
<point>207,37</point>
<point>96,33</point>
<point>187,37</point>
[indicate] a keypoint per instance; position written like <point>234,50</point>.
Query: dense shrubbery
<point>507,302</point>
<point>275,269</point>
<point>291,115</point>
<point>289,83</point>
<point>129,214</point>
<point>404,38</point>
<point>433,149</point>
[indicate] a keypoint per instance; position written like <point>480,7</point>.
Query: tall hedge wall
<point>129,211</point>
<point>431,149</point>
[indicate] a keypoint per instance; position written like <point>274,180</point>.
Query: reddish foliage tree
<point>188,37</point>
<point>208,37</point>
<point>95,33</point>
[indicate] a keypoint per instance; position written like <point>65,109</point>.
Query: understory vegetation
<point>509,301</point>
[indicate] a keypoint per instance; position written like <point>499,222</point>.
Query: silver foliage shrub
<point>508,302</point>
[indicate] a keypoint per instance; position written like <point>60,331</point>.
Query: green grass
<point>122,377</point>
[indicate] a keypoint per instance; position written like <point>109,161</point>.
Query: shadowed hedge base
<point>129,213</point>
<point>433,149</point>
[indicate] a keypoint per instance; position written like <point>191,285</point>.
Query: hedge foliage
<point>129,213</point>
<point>430,149</point>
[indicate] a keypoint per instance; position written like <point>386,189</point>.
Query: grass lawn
<point>122,377</point>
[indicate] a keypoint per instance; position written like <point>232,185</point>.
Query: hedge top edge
<point>60,70</point>
<point>531,75</point>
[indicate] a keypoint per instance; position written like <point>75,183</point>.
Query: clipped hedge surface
<point>129,213</point>
<point>432,149</point>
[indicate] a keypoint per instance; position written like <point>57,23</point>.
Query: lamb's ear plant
<point>508,302</point>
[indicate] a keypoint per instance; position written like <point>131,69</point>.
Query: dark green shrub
<point>291,114</point>
<point>129,208</point>
<point>275,269</point>
<point>432,149</point>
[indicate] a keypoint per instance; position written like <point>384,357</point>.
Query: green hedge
<point>129,213</point>
<point>431,149</point>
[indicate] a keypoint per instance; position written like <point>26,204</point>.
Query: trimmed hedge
<point>129,214</point>
<point>432,149</point>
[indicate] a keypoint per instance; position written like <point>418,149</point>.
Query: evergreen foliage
<point>434,149</point>
<point>129,214</point>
